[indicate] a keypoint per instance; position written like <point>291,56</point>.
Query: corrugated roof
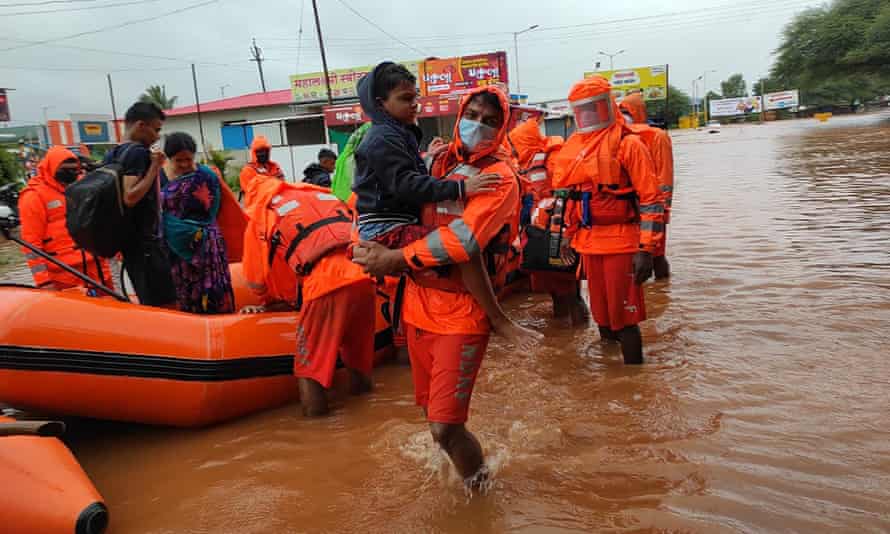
<point>255,100</point>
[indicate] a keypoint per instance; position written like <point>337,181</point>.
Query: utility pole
<point>516,53</point>
<point>762,99</point>
<point>117,133</point>
<point>705,92</point>
<point>257,55</point>
<point>324,60</point>
<point>198,109</point>
<point>612,57</point>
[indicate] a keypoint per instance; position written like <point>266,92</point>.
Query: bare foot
<point>524,338</point>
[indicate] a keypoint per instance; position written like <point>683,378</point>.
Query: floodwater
<point>764,405</point>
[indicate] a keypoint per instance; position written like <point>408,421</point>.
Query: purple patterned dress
<point>203,282</point>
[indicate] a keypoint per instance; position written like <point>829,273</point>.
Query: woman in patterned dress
<point>190,201</point>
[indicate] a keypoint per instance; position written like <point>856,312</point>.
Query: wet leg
<point>662,267</point>
<point>464,450</point>
<point>313,398</point>
<point>607,334</point>
<point>631,344</point>
<point>358,383</point>
<point>477,282</point>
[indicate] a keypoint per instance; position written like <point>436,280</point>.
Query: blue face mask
<point>472,133</point>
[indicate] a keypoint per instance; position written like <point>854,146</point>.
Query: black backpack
<point>95,212</point>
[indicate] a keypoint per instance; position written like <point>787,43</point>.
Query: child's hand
<point>482,183</point>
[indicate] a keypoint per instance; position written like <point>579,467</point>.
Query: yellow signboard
<point>311,87</point>
<point>652,81</point>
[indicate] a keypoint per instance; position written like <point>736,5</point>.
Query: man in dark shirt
<point>145,260</point>
<point>320,173</point>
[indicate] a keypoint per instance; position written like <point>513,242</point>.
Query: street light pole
<point>516,53</point>
<point>612,57</point>
<point>705,91</point>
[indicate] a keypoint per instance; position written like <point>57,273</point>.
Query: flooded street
<point>764,405</point>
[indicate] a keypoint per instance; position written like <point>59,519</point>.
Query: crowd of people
<point>439,230</point>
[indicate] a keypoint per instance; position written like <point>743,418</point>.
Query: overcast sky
<point>49,64</point>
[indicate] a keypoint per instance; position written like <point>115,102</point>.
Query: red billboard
<point>4,106</point>
<point>460,74</point>
<point>430,106</point>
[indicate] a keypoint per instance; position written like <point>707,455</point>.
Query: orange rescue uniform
<point>535,157</point>
<point>254,168</point>
<point>448,330</point>
<point>621,211</point>
<point>660,146</point>
<point>42,212</point>
<point>336,299</point>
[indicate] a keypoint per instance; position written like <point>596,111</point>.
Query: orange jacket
<point>254,168</point>
<point>659,144</point>
<point>635,106</point>
<point>277,281</point>
<point>610,164</point>
<point>42,211</point>
<point>534,157</point>
<point>484,218</point>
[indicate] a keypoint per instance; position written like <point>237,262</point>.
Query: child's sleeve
<point>397,171</point>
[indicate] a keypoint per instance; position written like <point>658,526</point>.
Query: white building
<point>296,132</point>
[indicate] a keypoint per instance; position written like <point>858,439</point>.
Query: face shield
<point>594,113</point>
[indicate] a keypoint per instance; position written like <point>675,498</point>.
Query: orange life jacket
<point>444,213</point>
<point>297,226</point>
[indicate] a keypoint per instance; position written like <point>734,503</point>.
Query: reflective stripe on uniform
<point>465,236</point>
<point>667,189</point>
<point>651,226</point>
<point>652,209</point>
<point>437,249</point>
<point>39,268</point>
<point>31,256</point>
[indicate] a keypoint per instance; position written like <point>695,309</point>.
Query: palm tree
<point>157,94</point>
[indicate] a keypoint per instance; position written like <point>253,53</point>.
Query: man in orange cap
<point>447,329</point>
<point>260,162</point>
<point>633,107</point>
<point>42,211</point>
<point>620,217</point>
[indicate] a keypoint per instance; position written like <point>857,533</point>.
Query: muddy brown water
<point>764,405</point>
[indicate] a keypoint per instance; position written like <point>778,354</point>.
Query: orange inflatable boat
<point>69,354</point>
<point>44,489</point>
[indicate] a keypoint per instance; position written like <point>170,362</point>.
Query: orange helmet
<point>593,105</point>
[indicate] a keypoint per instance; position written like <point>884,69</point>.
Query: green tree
<point>671,110</point>
<point>768,85</point>
<point>157,94</point>
<point>10,170</point>
<point>734,86</point>
<point>836,54</point>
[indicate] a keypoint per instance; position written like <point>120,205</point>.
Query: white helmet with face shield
<point>593,113</point>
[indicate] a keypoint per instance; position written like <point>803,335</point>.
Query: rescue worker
<point>295,259</point>
<point>42,213</point>
<point>535,155</point>
<point>447,329</point>
<point>260,162</point>
<point>620,217</point>
<point>659,143</point>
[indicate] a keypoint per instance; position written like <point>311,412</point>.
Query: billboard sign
<point>727,107</point>
<point>461,74</point>
<point>93,132</point>
<point>782,100</point>
<point>311,87</point>
<point>652,81</point>
<point>4,106</point>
